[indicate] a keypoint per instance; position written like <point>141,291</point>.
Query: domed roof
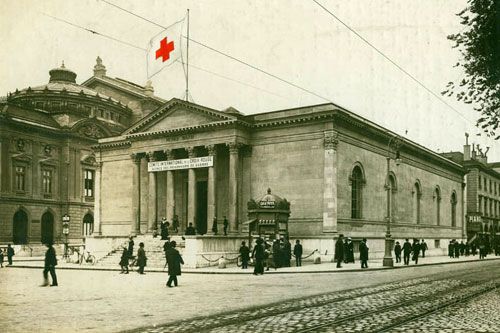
<point>272,201</point>
<point>62,74</point>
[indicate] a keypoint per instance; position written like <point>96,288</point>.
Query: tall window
<point>89,183</point>
<point>47,181</point>
<point>453,209</point>
<point>437,205</point>
<point>20,178</point>
<point>417,197</point>
<point>88,225</point>
<point>356,192</point>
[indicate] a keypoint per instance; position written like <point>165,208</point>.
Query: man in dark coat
<point>245,255</point>
<point>174,260</point>
<point>423,248</point>
<point>416,250</point>
<point>10,254</point>
<point>287,252</point>
<point>349,254</point>
<point>214,226</point>
<point>456,249</point>
<point>226,224</point>
<point>451,248</point>
<point>190,230</point>
<point>141,258</point>
<point>397,252</point>
<point>259,255</point>
<point>131,247</point>
<point>363,253</point>
<point>406,252</point>
<point>175,223</point>
<point>124,261</point>
<point>339,250</point>
<point>166,246</point>
<point>297,252</point>
<point>50,266</point>
<point>277,254</point>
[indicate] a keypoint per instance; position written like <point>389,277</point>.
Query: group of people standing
<point>344,251</point>
<point>410,249</point>
<point>266,255</point>
<point>10,254</point>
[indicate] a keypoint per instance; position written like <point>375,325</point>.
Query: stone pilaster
<point>170,188</point>
<point>136,195</point>
<point>330,141</point>
<point>211,195</point>
<point>152,200</point>
<point>191,216</point>
<point>233,185</point>
<point>97,198</point>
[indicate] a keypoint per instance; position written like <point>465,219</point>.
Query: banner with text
<point>185,163</point>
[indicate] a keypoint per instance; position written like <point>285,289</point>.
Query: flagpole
<point>187,59</point>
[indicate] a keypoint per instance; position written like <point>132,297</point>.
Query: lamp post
<point>65,220</point>
<point>394,143</point>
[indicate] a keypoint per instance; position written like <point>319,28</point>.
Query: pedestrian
<point>363,253</point>
<point>268,256</point>
<point>473,248</point>
<point>456,248</point>
<point>130,247</point>
<point>258,254</point>
<point>141,258</point>
<point>451,247</point>
<point>50,266</point>
<point>287,253</point>
<point>339,251</point>
<point>1,258</point>
<point>277,254</point>
<point>175,224</point>
<point>406,252</point>
<point>462,248</point>
<point>297,252</point>
<point>226,224</point>
<point>10,254</point>
<point>245,255</point>
<point>124,261</point>
<point>423,247</point>
<point>190,230</point>
<point>350,250</point>
<point>166,246</point>
<point>467,249</point>
<point>397,252</point>
<point>482,249</point>
<point>214,225</point>
<point>174,260</point>
<point>164,228</point>
<point>416,250</point>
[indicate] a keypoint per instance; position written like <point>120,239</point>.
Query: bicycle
<point>88,259</point>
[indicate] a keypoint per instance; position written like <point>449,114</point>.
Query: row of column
<point>191,204</point>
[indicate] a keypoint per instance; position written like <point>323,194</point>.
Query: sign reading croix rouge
<point>165,48</point>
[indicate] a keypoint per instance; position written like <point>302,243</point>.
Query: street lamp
<point>394,144</point>
<point>65,221</point>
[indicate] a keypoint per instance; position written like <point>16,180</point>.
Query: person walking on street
<point>50,266</point>
<point>297,252</point>
<point>131,247</point>
<point>462,248</point>
<point>406,252</point>
<point>214,225</point>
<point>166,246</point>
<point>451,248</point>
<point>423,248</point>
<point>245,255</point>
<point>397,252</point>
<point>363,253</point>
<point>226,224</point>
<point>277,254</point>
<point>141,258</point>
<point>258,255</point>
<point>456,249</point>
<point>349,254</point>
<point>416,251</point>
<point>1,258</point>
<point>174,260</point>
<point>124,261</point>
<point>339,251</point>
<point>10,254</point>
<point>287,253</point>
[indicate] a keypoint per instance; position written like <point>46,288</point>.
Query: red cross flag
<point>165,48</point>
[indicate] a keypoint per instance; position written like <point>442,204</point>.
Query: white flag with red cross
<point>165,48</point>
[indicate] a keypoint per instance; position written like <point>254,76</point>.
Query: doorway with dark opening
<point>47,231</point>
<point>20,227</point>
<point>201,207</point>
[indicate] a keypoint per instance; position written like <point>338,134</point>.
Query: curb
<point>249,272</point>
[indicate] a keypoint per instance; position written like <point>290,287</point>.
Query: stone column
<point>191,218</point>
<point>136,194</point>
<point>233,186</point>
<point>97,198</point>
<point>212,181</point>
<point>330,141</point>
<point>151,195</point>
<point>170,188</point>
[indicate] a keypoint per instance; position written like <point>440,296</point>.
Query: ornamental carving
<point>151,156</point>
<point>89,160</point>
<point>91,131</point>
<point>47,149</point>
<point>212,150</point>
<point>20,144</point>
<point>234,147</point>
<point>331,140</point>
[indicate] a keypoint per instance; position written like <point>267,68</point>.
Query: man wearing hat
<point>174,261</point>
<point>50,266</point>
<point>339,251</point>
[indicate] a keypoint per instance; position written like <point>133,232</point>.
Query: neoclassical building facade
<point>337,170</point>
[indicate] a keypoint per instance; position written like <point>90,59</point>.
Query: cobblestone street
<point>105,301</point>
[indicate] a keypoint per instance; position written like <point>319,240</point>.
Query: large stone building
<point>47,166</point>
<point>330,164</point>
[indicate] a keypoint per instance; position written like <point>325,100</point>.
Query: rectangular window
<point>89,183</point>
<point>20,178</point>
<point>47,181</point>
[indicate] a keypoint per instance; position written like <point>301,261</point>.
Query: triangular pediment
<point>177,114</point>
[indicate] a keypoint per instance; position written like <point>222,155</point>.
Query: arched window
<point>453,209</point>
<point>417,198</point>
<point>88,224</point>
<point>357,182</point>
<point>393,189</point>
<point>437,205</point>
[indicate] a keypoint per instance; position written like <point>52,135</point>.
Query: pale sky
<point>294,39</point>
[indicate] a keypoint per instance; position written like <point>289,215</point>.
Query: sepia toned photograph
<point>250,166</point>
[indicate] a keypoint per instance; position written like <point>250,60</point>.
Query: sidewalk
<point>308,267</point>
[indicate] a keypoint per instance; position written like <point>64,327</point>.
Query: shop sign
<point>185,163</point>
<point>267,203</point>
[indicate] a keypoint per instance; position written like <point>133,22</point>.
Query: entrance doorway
<point>201,206</point>
<point>20,228</point>
<point>47,228</point>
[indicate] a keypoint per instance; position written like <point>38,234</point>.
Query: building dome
<point>62,74</point>
<point>272,201</point>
